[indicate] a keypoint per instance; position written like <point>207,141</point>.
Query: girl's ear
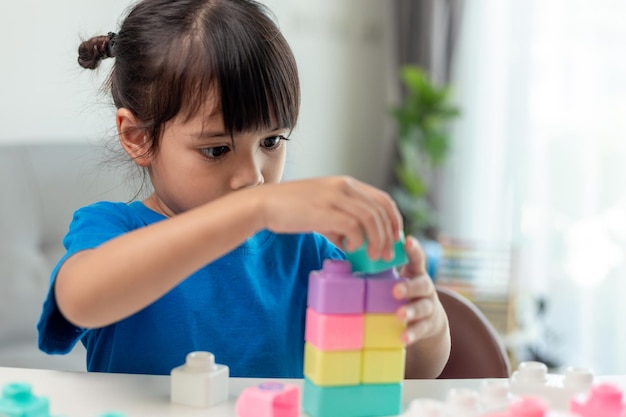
<point>132,137</point>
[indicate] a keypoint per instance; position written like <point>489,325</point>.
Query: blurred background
<point>514,171</point>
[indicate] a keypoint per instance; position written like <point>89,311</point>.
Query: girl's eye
<point>215,152</point>
<point>273,142</point>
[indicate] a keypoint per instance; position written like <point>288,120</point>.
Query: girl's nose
<point>247,174</point>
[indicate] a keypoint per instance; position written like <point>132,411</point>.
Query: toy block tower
<point>354,355</point>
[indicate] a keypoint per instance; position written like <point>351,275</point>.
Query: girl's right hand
<point>345,210</point>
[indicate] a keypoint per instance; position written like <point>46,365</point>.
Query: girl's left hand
<point>423,313</point>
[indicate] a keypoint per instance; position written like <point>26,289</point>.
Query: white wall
<point>44,94</point>
<point>339,46</point>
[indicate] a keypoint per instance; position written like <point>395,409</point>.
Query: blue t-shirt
<point>247,308</point>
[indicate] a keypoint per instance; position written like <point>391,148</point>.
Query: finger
<point>416,331</point>
<point>418,310</point>
<point>342,229</point>
<point>420,286</point>
<point>390,213</point>
<point>416,264</point>
<point>372,219</point>
<point>368,223</point>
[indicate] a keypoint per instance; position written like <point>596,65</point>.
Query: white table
<point>81,394</point>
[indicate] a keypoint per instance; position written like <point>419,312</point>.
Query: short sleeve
<point>90,227</point>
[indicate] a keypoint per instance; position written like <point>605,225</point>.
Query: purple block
<point>335,290</point>
<point>378,294</point>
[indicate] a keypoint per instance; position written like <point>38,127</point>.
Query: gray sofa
<point>41,185</point>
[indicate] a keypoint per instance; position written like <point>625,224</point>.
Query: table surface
<point>82,394</point>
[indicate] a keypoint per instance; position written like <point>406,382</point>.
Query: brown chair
<point>476,349</point>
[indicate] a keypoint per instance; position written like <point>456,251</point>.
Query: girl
<point>217,257</point>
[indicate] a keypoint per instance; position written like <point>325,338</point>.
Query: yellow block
<point>327,368</point>
<point>382,366</point>
<point>382,331</point>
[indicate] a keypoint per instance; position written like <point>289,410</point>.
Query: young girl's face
<point>198,162</point>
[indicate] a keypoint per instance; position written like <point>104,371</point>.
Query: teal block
<point>365,400</point>
<point>363,264</point>
<point>18,401</point>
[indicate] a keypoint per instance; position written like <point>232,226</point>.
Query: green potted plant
<point>423,143</point>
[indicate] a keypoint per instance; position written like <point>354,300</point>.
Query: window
<point>540,163</point>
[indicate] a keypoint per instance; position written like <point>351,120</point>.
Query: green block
<point>18,401</point>
<point>362,263</point>
<point>365,400</point>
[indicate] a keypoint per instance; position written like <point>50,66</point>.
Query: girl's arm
<point>101,286</point>
<point>428,334</point>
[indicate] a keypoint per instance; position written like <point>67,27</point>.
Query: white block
<point>531,379</point>
<point>200,382</point>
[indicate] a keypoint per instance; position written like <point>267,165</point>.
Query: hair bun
<point>94,50</point>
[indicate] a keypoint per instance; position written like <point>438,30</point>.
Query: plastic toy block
<point>378,292</point>
<point>525,407</point>
<point>495,394</point>
<point>382,366</point>
<point>530,379</point>
<point>493,397</point>
<point>334,331</point>
<point>462,402</point>
<point>200,382</point>
<point>425,407</point>
<point>459,402</point>
<point>530,407</point>
<point>528,393</point>
<point>492,400</point>
<point>602,400</point>
<point>269,399</point>
<point>327,368</point>
<point>335,290</point>
<point>382,331</point>
<point>362,263</point>
<point>363,400</point>
<point>18,401</point>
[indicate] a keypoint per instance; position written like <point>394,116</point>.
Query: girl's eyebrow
<point>208,134</point>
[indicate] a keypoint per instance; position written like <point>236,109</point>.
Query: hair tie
<point>111,44</point>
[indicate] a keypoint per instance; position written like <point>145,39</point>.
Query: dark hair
<point>170,56</point>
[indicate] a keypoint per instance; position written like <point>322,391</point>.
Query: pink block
<point>523,407</point>
<point>528,407</point>
<point>334,331</point>
<point>603,400</point>
<point>269,399</point>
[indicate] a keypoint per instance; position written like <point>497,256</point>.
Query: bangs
<point>177,57</point>
<point>248,70</point>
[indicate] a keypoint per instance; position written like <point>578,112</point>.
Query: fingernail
<point>408,338</point>
<point>405,314</point>
<point>400,291</point>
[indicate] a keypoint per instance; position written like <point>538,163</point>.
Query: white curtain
<point>540,165</point>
